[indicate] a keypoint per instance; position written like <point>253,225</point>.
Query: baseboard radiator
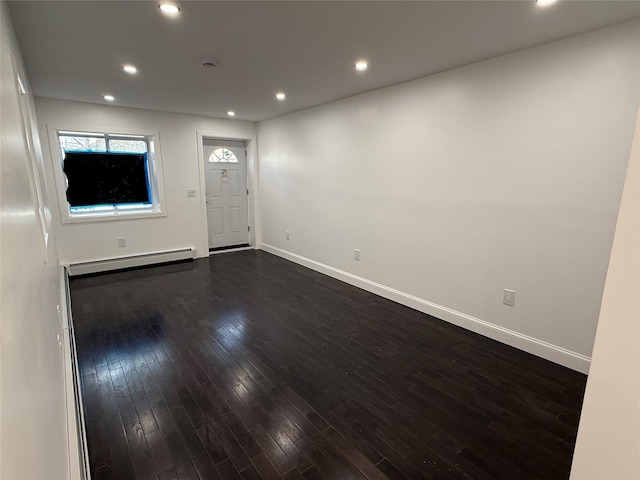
<point>132,261</point>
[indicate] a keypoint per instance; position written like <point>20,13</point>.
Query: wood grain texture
<point>247,366</point>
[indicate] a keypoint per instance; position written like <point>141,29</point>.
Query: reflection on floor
<point>247,366</point>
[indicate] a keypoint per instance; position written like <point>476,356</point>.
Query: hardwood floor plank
<point>160,454</point>
<point>140,456</point>
<point>179,453</point>
<point>187,430</point>
<point>351,453</point>
<point>212,444</point>
<point>205,467</point>
<point>247,366</point>
<point>250,473</point>
<point>391,471</point>
<point>265,468</point>
<point>227,471</point>
<point>231,446</point>
<point>188,474</point>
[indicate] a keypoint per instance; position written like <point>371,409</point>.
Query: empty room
<point>320,240</point>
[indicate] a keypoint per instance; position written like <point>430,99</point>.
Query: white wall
<point>33,434</point>
<point>502,174</point>
<point>608,444</point>
<point>184,225</point>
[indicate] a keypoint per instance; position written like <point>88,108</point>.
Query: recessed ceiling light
<point>231,113</point>
<point>280,96</point>
<point>361,65</point>
<point>130,69</point>
<point>169,8</point>
<point>109,98</point>
<point>544,3</point>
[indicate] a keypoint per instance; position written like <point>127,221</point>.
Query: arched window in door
<point>223,155</point>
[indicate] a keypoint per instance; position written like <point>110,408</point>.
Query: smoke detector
<point>209,63</point>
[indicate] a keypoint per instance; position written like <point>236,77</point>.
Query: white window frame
<point>154,159</point>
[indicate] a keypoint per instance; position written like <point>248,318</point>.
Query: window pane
<point>96,179</point>
<point>137,146</point>
<point>223,155</point>
<point>86,144</point>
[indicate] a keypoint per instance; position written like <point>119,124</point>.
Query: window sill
<point>112,216</point>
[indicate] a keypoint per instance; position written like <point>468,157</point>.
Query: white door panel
<point>235,219</point>
<point>215,183</point>
<point>233,183</point>
<point>227,203</point>
<point>218,221</point>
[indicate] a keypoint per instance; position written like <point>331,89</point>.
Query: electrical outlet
<point>356,254</point>
<point>191,192</point>
<point>509,297</point>
<point>287,234</point>
<point>122,242</point>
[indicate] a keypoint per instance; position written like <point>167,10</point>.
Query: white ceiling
<point>74,49</point>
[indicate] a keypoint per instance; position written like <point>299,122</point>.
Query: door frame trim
<point>252,185</point>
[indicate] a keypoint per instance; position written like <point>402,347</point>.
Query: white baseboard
<point>76,434</point>
<point>554,353</point>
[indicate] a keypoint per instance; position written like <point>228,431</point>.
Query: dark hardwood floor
<point>247,366</point>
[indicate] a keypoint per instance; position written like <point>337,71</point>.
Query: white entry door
<point>225,166</point>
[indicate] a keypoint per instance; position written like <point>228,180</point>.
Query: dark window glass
<point>95,179</point>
